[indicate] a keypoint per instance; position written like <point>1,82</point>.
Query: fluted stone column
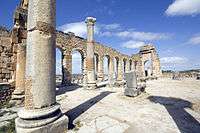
<point>100,70</point>
<point>120,70</point>
<point>18,94</point>
<point>67,68</point>
<point>91,81</point>
<point>41,112</point>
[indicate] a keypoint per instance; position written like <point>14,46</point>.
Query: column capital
<point>90,20</point>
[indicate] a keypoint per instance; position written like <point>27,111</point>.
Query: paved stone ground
<point>168,106</point>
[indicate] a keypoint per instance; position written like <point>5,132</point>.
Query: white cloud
<point>111,26</point>
<point>145,36</point>
<point>195,40</point>
<point>173,60</point>
<point>133,44</point>
<point>79,28</point>
<point>108,30</point>
<point>184,7</point>
<point>106,33</point>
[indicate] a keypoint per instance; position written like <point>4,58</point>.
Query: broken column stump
<point>132,89</point>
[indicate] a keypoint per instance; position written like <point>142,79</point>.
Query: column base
<point>100,79</point>
<point>49,119</point>
<point>58,126</point>
<point>131,92</point>
<point>91,86</point>
<point>17,98</point>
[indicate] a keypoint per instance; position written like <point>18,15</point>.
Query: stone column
<point>84,73</point>
<point>100,70</point>
<point>18,94</point>
<point>91,81</point>
<point>41,112</point>
<point>127,66</point>
<point>120,70</point>
<point>67,68</point>
<point>111,72</point>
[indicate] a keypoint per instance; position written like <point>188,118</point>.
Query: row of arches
<point>104,63</point>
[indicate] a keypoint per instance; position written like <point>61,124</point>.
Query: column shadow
<point>63,89</point>
<point>185,122</point>
<point>80,109</point>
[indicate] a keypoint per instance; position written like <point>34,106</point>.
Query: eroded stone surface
<point>146,113</point>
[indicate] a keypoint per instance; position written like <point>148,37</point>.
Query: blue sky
<point>171,25</point>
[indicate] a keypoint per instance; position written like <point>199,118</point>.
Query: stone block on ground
<point>132,89</point>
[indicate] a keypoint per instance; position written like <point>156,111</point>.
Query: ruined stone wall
<point>148,53</point>
<point>7,58</point>
<point>180,75</point>
<point>67,42</point>
<point>7,65</point>
<point>6,90</point>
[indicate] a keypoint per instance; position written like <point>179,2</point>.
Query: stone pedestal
<point>58,126</point>
<point>91,80</point>
<point>131,84</point>
<point>41,113</point>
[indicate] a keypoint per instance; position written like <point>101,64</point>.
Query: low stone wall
<point>180,75</point>
<point>6,90</point>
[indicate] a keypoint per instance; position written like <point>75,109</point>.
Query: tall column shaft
<point>111,72</point>
<point>41,109</point>
<point>67,69</point>
<point>40,74</point>
<point>84,72</point>
<point>120,70</point>
<point>91,80</point>
<point>100,70</point>
<point>127,66</point>
<point>18,94</point>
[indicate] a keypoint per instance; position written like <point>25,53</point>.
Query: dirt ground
<point>168,106</point>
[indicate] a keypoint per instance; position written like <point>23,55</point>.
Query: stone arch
<point>78,61</point>
<point>148,53</point>
<point>148,68</point>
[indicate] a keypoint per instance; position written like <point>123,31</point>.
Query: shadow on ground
<point>63,89</point>
<point>77,111</point>
<point>185,122</point>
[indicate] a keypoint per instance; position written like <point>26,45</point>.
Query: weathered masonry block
<point>7,58</point>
